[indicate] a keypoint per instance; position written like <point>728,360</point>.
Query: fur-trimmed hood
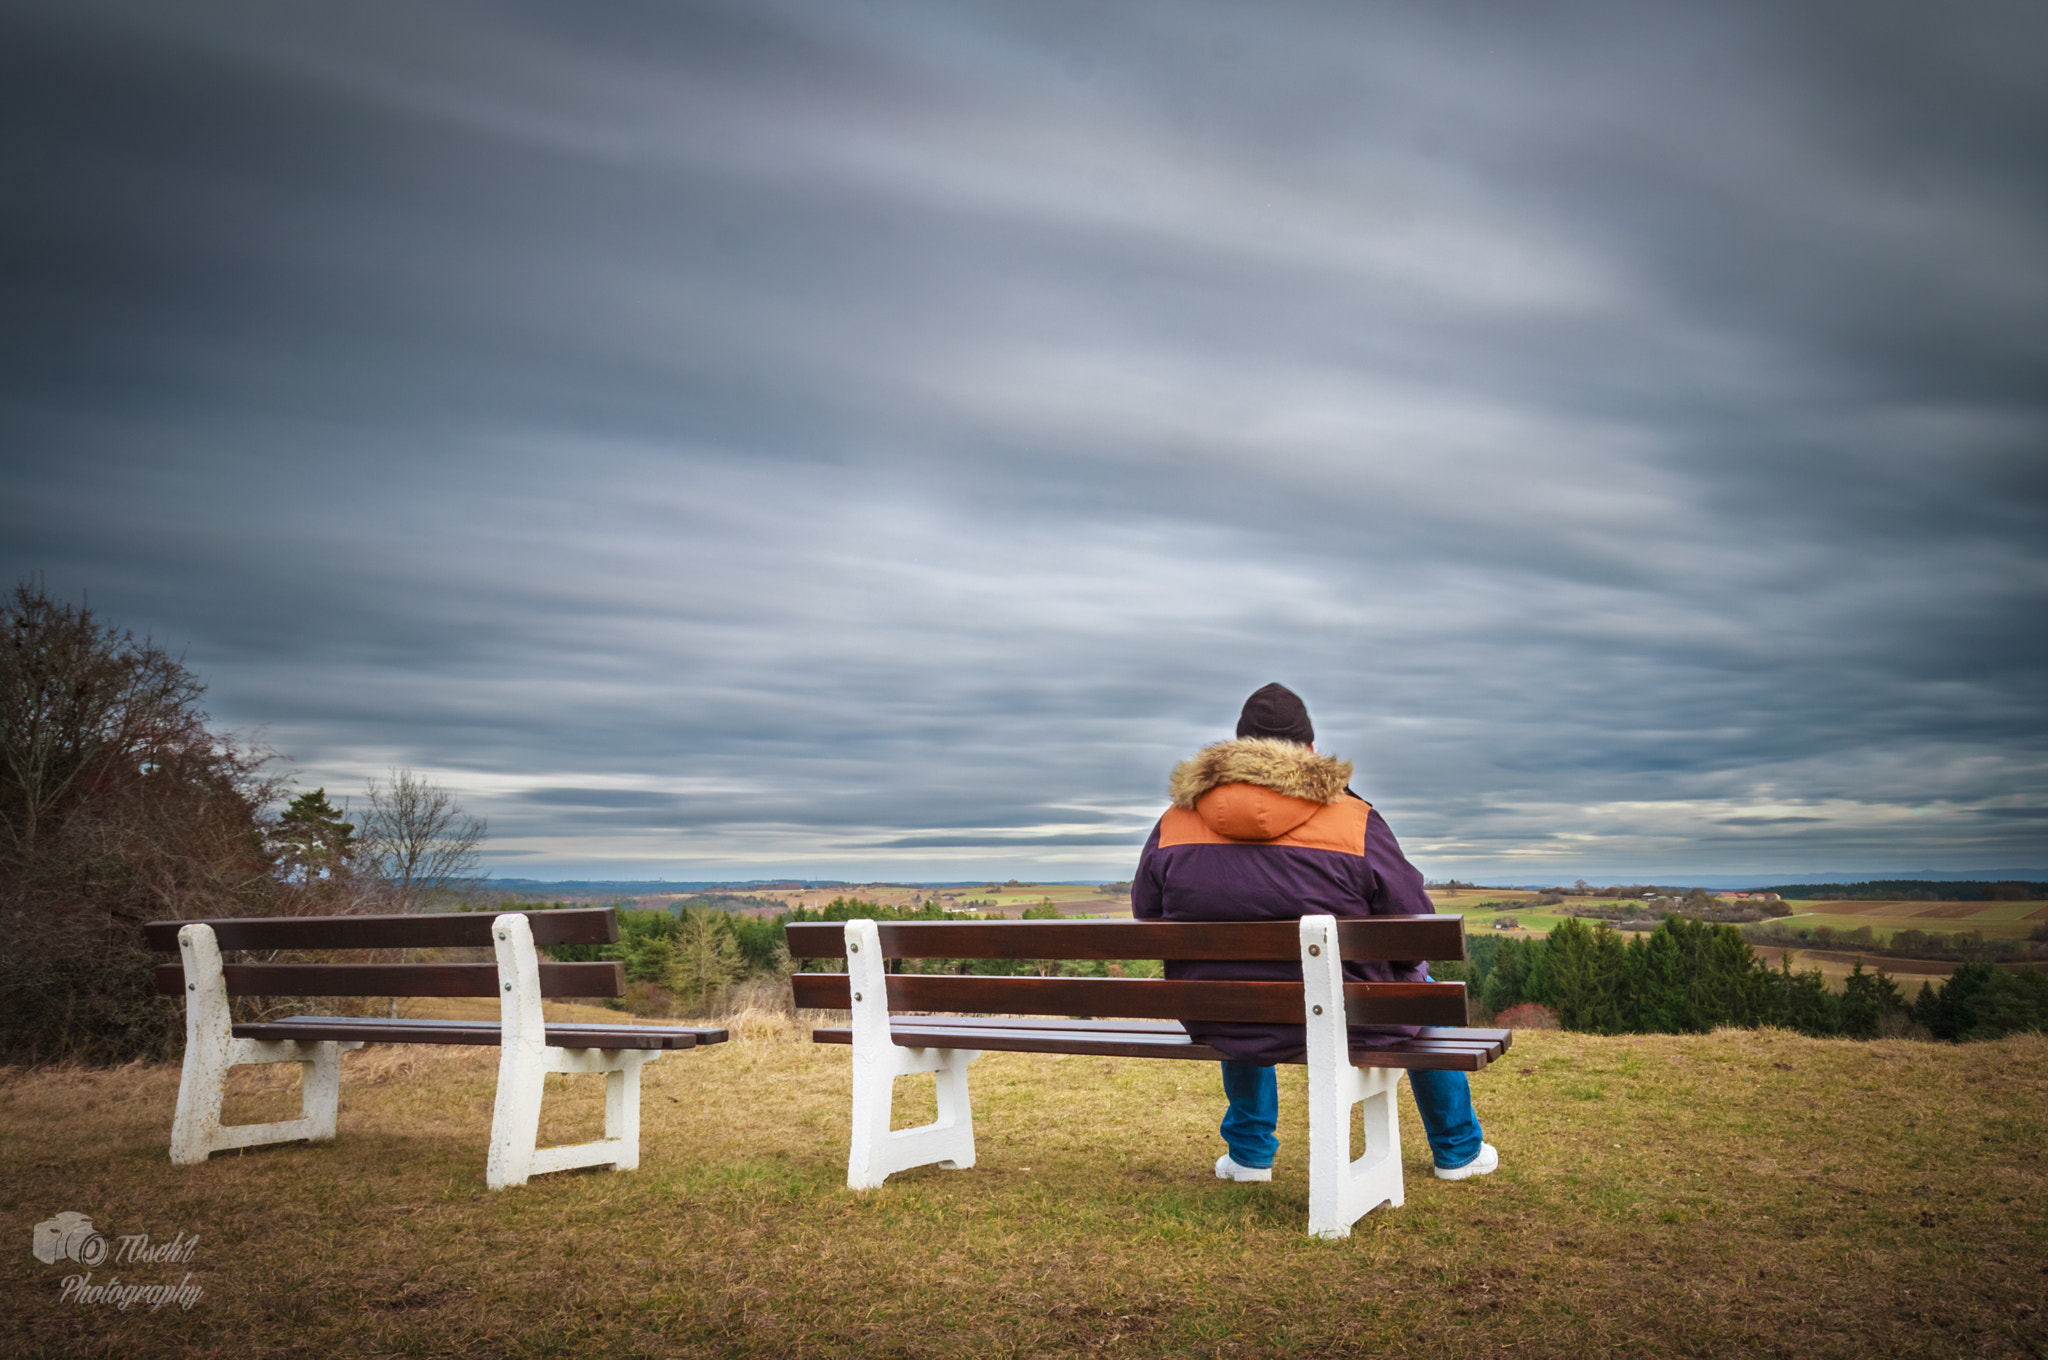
<point>1286,768</point>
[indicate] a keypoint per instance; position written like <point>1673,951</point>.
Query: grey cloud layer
<point>735,437</point>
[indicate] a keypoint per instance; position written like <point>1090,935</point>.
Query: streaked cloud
<point>880,440</point>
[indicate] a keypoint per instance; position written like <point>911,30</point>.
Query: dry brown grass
<point>1733,1194</point>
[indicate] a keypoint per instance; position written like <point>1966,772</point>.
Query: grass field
<point>1733,1194</point>
<point>1528,920</point>
<point>2008,920</point>
<point>1998,920</point>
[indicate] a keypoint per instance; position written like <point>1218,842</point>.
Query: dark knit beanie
<point>1276,711</point>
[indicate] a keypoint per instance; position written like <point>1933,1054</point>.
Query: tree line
<point>1915,890</point>
<point>1970,945</point>
<point>1688,977</point>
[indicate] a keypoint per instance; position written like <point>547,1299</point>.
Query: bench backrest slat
<point>1365,1003</point>
<point>397,979</point>
<point>1376,937</point>
<point>428,930</point>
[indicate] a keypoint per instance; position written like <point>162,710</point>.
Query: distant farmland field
<point>1998,920</point>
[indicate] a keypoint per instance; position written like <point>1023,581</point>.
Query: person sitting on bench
<point>1264,828</point>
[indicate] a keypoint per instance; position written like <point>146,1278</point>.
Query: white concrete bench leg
<point>1342,1190</point>
<point>878,1152</point>
<point>525,1059</point>
<point>211,1049</point>
<point>622,1107</point>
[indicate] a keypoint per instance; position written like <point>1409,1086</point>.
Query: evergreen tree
<point>1983,1002</point>
<point>1867,1001</point>
<point>1927,1011</point>
<point>313,844</point>
<point>1574,986</point>
<point>1730,985</point>
<point>762,944</point>
<point>704,960</point>
<point>1608,967</point>
<point>1657,976</point>
<point>1802,1001</point>
<point>646,944</point>
<point>1481,952</point>
<point>1538,982</point>
<point>1503,985</point>
<point>1860,1008</point>
<point>2006,1003</point>
<point>1890,1005</point>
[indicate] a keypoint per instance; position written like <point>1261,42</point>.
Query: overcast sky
<point>878,440</point>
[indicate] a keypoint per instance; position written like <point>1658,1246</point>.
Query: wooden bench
<point>529,1047</point>
<point>1136,1018</point>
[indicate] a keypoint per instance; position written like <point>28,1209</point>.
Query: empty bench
<point>529,1046</point>
<point>894,1033</point>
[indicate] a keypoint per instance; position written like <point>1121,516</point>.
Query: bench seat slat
<point>1041,1041</point>
<point>1048,1040</point>
<point>425,930</point>
<point>1366,1003</point>
<point>480,1032</point>
<point>1426,1053</point>
<point>1036,1022</point>
<point>1378,937</point>
<point>1502,1039</point>
<point>397,979</point>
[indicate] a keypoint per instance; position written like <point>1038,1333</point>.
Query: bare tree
<point>79,703</point>
<point>417,843</point>
<point>118,802</point>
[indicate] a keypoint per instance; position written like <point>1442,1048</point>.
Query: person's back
<point>1265,828</point>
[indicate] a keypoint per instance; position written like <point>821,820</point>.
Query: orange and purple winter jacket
<point>1266,830</point>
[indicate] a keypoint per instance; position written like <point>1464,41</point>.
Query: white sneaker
<point>1484,1164</point>
<point>1227,1170</point>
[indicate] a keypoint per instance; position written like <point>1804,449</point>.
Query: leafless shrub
<point>117,804</point>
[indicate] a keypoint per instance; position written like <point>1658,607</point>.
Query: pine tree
<point>1802,1001</point>
<point>1658,977</point>
<point>1609,971</point>
<point>1927,1010</point>
<point>1732,985</point>
<point>1574,985</point>
<point>312,843</point>
<point>704,959</point>
<point>1891,1007</point>
<point>1503,986</point>
<point>1860,1004</point>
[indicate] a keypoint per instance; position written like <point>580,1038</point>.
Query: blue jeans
<point>1443,1099</point>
